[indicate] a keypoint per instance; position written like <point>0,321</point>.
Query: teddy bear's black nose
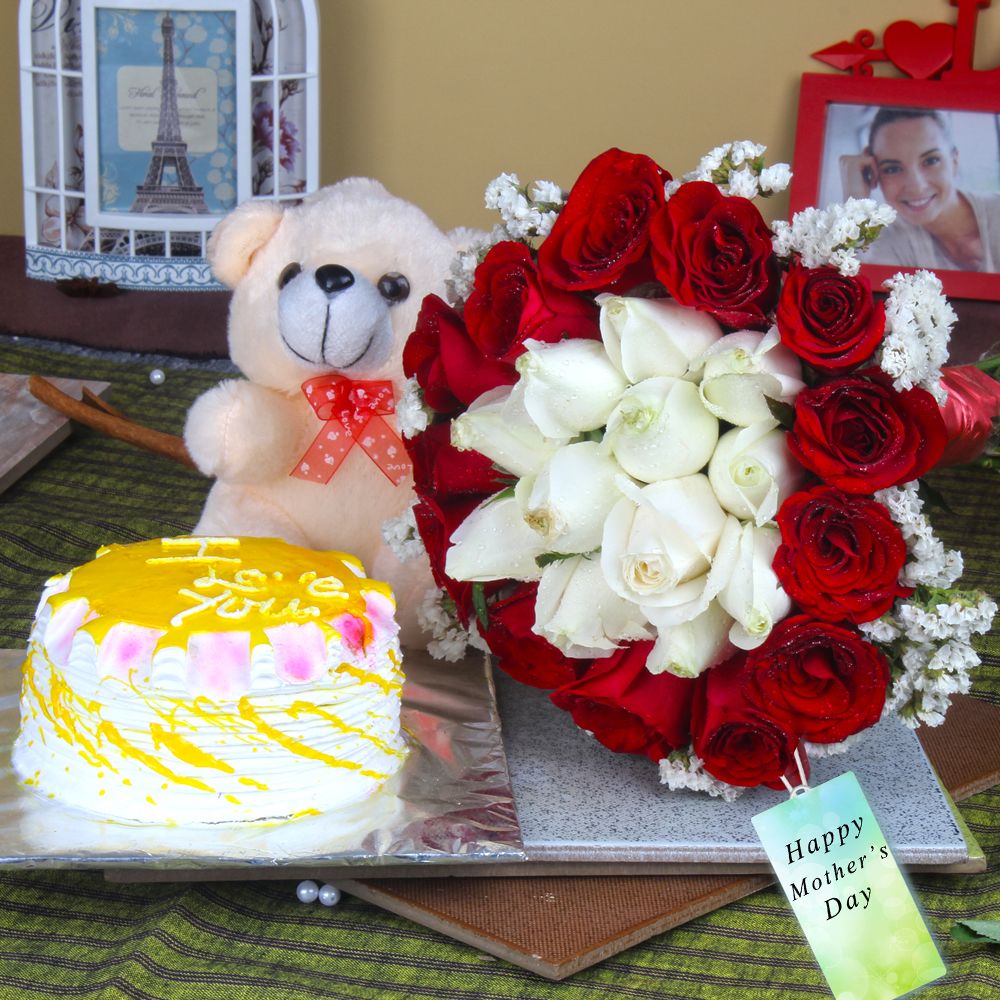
<point>333,278</point>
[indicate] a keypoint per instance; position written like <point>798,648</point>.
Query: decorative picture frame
<point>835,114</point>
<point>69,233</point>
<point>161,93</point>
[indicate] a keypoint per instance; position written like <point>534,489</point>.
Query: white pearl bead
<point>307,891</point>
<point>157,377</point>
<point>329,895</point>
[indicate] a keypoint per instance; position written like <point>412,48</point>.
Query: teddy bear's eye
<point>393,287</point>
<point>288,273</point>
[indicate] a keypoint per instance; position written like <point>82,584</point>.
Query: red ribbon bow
<point>353,413</point>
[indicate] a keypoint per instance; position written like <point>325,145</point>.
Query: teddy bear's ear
<point>236,239</point>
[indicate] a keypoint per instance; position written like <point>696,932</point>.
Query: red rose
<point>626,707</point>
<point>448,366</point>
<point>600,238</point>
<point>509,304</point>
<point>527,657</point>
<point>738,742</point>
<point>435,523</point>
<point>824,681</point>
<point>840,555</point>
<point>440,470</point>
<point>450,484</point>
<point>713,252</point>
<point>862,435</point>
<point>828,319</point>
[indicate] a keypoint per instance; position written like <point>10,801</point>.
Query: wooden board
<point>556,926</point>
<point>29,430</point>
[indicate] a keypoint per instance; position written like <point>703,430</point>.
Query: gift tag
<point>848,893</point>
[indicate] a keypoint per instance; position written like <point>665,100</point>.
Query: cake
<point>207,680</point>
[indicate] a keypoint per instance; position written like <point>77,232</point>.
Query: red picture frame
<point>819,91</point>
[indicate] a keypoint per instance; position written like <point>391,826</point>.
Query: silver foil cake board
<point>586,811</point>
<point>451,801</point>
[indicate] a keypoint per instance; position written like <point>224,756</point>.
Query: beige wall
<point>436,97</point>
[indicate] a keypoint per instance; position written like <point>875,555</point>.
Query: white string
<point>803,786</point>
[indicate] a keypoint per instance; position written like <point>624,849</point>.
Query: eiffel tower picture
<point>169,186</point>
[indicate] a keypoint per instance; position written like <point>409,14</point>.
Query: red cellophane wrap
<point>973,403</point>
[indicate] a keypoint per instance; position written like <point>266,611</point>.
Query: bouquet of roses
<point>666,464</point>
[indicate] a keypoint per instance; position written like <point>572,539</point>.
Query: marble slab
<point>578,802</point>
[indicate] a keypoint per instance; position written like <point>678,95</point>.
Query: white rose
<point>569,387</point>
<point>661,430</point>
<point>580,615</point>
<point>498,426</point>
<point>752,594</point>
<point>494,543</point>
<point>650,337</point>
<point>569,499</point>
<point>692,647</point>
<point>658,545</point>
<point>743,368</point>
<point>752,471</point>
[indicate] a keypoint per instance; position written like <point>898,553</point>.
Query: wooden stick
<point>92,399</point>
<point>112,424</point>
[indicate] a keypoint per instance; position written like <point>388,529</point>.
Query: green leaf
<point>933,497</point>
<point>479,605</point>
<point>547,558</point>
<point>504,494</point>
<point>977,931</point>
<point>784,413</point>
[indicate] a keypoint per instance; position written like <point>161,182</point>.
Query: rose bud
<point>650,337</point>
<point>752,471</point>
<point>580,615</point>
<point>569,499</point>
<point>661,430</point>
<point>570,387</point>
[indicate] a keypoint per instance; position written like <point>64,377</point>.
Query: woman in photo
<point>912,159</point>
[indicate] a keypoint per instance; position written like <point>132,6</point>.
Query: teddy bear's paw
<point>240,432</point>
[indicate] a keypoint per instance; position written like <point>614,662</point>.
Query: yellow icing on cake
<point>187,585</point>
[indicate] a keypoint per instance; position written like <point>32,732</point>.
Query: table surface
<point>72,933</point>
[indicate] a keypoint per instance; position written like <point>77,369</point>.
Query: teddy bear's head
<point>331,284</point>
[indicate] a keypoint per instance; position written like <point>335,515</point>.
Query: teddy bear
<point>305,447</point>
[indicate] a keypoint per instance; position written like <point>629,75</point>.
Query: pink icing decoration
<point>381,613</point>
<point>126,648</point>
<point>218,664</point>
<point>299,651</point>
<point>352,630</point>
<point>62,627</point>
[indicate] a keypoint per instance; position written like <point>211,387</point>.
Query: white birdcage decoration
<point>146,121</point>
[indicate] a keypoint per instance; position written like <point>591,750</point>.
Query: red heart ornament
<point>919,52</point>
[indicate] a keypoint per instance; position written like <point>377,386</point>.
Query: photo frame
<point>163,86</point>
<point>834,117</point>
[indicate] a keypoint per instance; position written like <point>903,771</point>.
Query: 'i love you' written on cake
<point>206,680</point>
